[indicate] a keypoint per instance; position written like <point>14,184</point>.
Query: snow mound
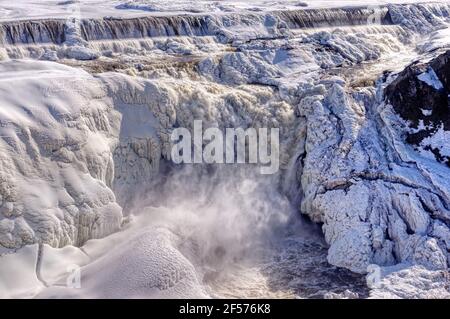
<point>145,266</point>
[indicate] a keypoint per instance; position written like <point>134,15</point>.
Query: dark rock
<point>409,96</point>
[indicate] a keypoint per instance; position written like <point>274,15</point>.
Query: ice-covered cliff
<point>88,106</point>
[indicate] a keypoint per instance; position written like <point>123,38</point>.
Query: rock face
<point>379,201</point>
<point>420,95</point>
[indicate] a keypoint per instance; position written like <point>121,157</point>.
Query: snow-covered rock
<point>56,159</point>
<point>411,282</point>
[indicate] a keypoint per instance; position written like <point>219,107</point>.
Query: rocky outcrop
<point>420,95</point>
<point>379,203</point>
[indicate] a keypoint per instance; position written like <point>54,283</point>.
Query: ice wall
<point>54,31</point>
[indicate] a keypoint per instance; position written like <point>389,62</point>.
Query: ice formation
<point>88,106</point>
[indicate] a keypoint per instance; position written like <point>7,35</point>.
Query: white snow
<point>18,276</point>
<point>31,9</point>
<point>439,39</point>
<point>144,265</point>
<point>438,140</point>
<point>47,116</point>
<point>426,113</point>
<point>430,77</point>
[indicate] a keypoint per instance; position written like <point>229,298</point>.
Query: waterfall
<point>54,31</point>
<point>23,32</point>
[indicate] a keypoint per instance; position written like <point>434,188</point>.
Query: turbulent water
<point>86,178</point>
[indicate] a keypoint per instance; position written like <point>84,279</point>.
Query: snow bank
<point>144,266</point>
<point>56,160</point>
